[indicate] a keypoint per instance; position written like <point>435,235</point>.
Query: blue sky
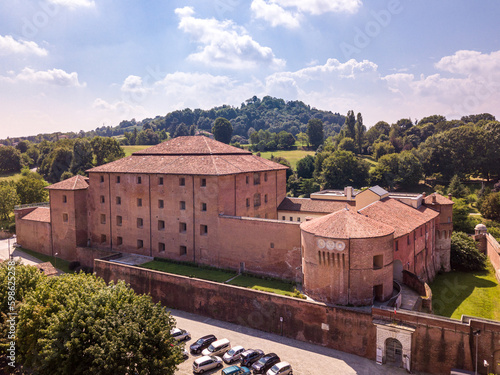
<point>67,65</point>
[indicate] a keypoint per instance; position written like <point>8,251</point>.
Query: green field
<point>293,156</point>
<point>467,293</point>
<point>272,286</point>
<point>131,149</point>
<point>60,264</point>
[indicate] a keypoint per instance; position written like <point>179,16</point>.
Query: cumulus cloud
<point>8,45</point>
<point>55,77</point>
<point>275,15</point>
<point>74,3</point>
<point>470,63</point>
<point>225,44</point>
<point>133,84</point>
<point>316,7</point>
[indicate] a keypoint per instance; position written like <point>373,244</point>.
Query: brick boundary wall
<point>493,252</point>
<point>421,287</point>
<point>439,344</point>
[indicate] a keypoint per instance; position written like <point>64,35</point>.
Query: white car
<point>233,354</point>
<point>205,363</point>
<point>281,368</point>
<point>180,334</point>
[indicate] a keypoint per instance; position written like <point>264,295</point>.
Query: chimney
<point>348,192</point>
<point>434,198</point>
<point>449,196</point>
<point>424,194</point>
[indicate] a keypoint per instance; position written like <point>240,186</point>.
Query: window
<point>291,218</point>
<point>248,202</point>
<point>449,219</point>
<point>265,198</point>
<point>139,202</point>
<point>117,179</point>
<point>103,238</point>
<point>378,262</point>
<point>182,181</point>
<point>246,179</point>
<point>182,205</point>
<point>298,219</point>
<point>160,203</point>
<point>65,217</point>
<point>103,219</point>
<point>102,178</point>
<point>139,179</point>
<point>102,199</point>
<point>118,201</point>
<point>119,221</point>
<point>161,224</point>
<point>203,182</point>
<point>283,218</point>
<point>140,244</point>
<point>119,240</point>
<point>161,246</point>
<point>182,227</point>
<point>397,245</point>
<point>408,239</point>
<point>140,222</point>
<point>203,206</point>
<point>265,177</point>
<point>203,230</point>
<point>182,250</point>
<point>256,178</point>
<point>421,231</point>
<point>65,199</point>
<point>256,200</point>
<point>160,181</point>
<point>272,245</point>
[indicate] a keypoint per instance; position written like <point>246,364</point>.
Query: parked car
<point>236,370</point>
<point>218,347</point>
<point>265,363</point>
<point>233,354</point>
<point>281,368</point>
<point>202,343</point>
<point>205,363</point>
<point>180,334</point>
<point>249,356</point>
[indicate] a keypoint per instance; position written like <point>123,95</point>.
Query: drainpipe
<point>150,220</point>
<point>110,215</point>
<point>349,273</point>
<point>194,223</point>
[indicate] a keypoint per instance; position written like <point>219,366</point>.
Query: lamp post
<point>476,333</point>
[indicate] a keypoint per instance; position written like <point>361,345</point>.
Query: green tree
<point>456,188</point>
<point>106,150</point>
<point>490,206</point>
<point>382,148</point>
<point>56,163</point>
<point>222,130</point>
<point>305,167</point>
<point>31,189</point>
<point>347,144</point>
<point>302,139</point>
<point>359,133</point>
<point>315,132</point>
<point>23,146</point>
<point>8,198</point>
<point>10,159</point>
<point>464,255</point>
<point>147,137</point>
<point>342,168</point>
<point>410,169</point>
<point>462,222</point>
<point>286,140</point>
<point>76,324</point>
<point>349,128</point>
<point>83,156</point>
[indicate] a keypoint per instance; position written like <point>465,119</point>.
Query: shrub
<point>464,254</point>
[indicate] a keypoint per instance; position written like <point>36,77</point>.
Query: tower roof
<point>74,183</point>
<point>346,224</point>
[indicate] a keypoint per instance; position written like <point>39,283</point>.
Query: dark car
<point>265,363</point>
<point>202,343</point>
<point>249,356</point>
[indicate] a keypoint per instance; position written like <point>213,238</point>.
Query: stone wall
<point>438,344</point>
<point>421,287</point>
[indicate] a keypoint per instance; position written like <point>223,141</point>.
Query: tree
<point>31,189</point>
<point>456,188</point>
<point>315,132</point>
<point>349,129</point>
<point>342,168</point>
<point>57,162</point>
<point>464,255</point>
<point>302,139</point>
<point>490,206</point>
<point>410,169</point>
<point>147,137</point>
<point>222,130</point>
<point>286,140</point>
<point>181,131</point>
<point>10,159</point>
<point>23,146</point>
<point>359,134</point>
<point>382,148</point>
<point>106,150</point>
<point>347,144</point>
<point>462,221</point>
<point>83,156</point>
<point>76,324</point>
<point>305,167</point>
<point>8,199</point>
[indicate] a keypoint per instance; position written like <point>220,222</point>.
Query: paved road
<point>306,359</point>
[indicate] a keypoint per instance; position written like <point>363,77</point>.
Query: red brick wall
<point>33,235</point>
<point>493,252</point>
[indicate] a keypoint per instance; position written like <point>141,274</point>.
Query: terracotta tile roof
<point>378,190</point>
<point>312,205</point>
<point>439,199</point>
<point>39,214</point>
<point>402,217</point>
<point>190,164</point>
<point>345,224</point>
<point>74,183</point>
<point>197,145</point>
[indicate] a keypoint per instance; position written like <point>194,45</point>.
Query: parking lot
<point>306,359</point>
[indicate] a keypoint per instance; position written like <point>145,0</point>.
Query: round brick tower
<point>347,258</point>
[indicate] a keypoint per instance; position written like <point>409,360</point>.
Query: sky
<point>67,65</point>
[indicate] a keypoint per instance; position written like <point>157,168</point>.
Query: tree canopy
<point>222,130</point>
<point>315,132</point>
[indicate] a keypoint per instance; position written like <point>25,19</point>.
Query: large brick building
<point>199,200</point>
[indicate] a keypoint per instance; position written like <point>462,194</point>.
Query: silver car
<point>281,368</point>
<point>233,354</point>
<point>180,334</point>
<point>206,363</point>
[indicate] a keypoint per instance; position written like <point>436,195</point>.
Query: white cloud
<point>8,45</point>
<point>225,44</point>
<point>133,84</point>
<point>55,77</point>
<point>471,63</point>
<point>316,7</point>
<point>274,14</point>
<point>74,3</point>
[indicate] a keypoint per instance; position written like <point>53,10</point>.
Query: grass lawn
<point>293,156</point>
<point>273,286</point>
<point>10,176</point>
<point>190,270</point>
<point>461,293</point>
<point>60,264</point>
<point>131,149</point>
